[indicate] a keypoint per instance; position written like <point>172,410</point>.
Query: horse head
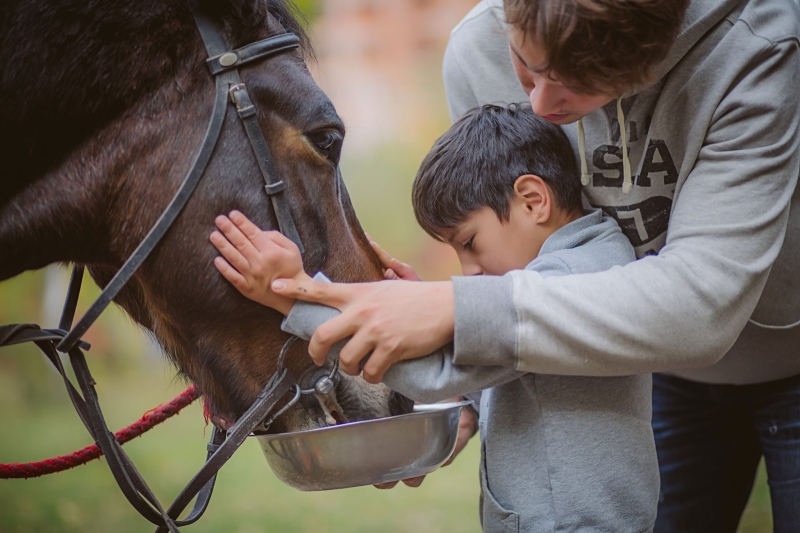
<point>108,103</point>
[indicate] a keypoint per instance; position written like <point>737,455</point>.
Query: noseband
<point>223,64</point>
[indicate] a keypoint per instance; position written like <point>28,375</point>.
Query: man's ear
<point>534,194</point>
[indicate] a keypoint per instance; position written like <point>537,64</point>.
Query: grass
<point>247,498</point>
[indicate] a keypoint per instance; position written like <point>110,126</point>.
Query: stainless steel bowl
<point>365,453</point>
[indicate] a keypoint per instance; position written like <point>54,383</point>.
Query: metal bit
<point>325,391</point>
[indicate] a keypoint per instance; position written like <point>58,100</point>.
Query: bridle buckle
<point>234,89</point>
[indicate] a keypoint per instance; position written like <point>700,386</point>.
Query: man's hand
<point>252,259</point>
<point>393,269</point>
<point>389,321</point>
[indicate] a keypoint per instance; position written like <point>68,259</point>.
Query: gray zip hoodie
<point>559,453</point>
<point>714,152</point>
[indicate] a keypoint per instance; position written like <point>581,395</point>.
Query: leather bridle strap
<point>259,50</point>
<point>248,115</point>
<point>222,62</point>
<point>226,79</point>
<point>219,454</point>
<point>87,406</point>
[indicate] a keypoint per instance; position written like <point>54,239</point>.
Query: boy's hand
<point>394,269</point>
<point>254,258</point>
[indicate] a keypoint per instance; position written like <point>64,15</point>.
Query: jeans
<point>710,439</point>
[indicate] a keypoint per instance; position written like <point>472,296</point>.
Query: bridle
<point>223,63</point>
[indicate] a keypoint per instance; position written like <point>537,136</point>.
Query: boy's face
<point>486,245</point>
<point>549,98</point>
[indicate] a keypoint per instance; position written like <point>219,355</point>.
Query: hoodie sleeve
<point>685,307</point>
<point>460,97</point>
<point>428,379</point>
<point>435,378</point>
<point>479,44</point>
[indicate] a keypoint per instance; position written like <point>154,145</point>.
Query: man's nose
<point>546,99</point>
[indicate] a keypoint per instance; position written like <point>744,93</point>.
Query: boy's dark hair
<point>477,161</point>
<point>600,45</point>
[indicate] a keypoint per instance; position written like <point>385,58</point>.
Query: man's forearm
<point>651,315</point>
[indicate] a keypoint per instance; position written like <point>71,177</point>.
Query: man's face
<point>486,245</point>
<point>549,98</point>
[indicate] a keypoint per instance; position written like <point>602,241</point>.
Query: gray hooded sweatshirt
<point>714,151</point>
<point>559,453</point>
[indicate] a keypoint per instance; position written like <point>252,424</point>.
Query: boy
<point>560,453</point>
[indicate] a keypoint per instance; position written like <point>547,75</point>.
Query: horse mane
<point>68,68</point>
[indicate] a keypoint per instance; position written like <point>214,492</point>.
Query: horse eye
<point>328,142</point>
<point>325,140</point>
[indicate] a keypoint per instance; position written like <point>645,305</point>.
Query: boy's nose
<point>471,269</point>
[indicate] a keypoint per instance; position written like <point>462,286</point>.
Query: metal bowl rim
<point>427,410</point>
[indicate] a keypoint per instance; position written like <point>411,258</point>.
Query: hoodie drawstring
<point>627,182</point>
<point>582,150</point>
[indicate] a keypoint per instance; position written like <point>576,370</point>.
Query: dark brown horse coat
<point>103,104</point>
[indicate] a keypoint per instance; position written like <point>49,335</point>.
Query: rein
<point>223,64</point>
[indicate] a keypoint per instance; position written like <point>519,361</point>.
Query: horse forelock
<point>245,20</point>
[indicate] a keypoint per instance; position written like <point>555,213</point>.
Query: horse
<point>104,103</point>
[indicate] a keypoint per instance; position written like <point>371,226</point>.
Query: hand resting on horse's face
<point>253,259</point>
<point>267,267</point>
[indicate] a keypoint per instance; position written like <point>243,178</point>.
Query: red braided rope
<point>64,462</point>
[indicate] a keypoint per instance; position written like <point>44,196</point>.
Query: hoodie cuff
<point>305,317</point>
<point>485,322</point>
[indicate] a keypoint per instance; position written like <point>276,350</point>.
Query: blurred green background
<point>39,422</point>
<point>388,89</point>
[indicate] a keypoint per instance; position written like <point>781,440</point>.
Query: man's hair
<point>599,45</point>
<point>477,161</point>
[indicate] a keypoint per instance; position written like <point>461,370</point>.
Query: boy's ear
<point>532,191</point>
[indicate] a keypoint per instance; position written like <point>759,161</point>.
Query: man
<point>692,144</point>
